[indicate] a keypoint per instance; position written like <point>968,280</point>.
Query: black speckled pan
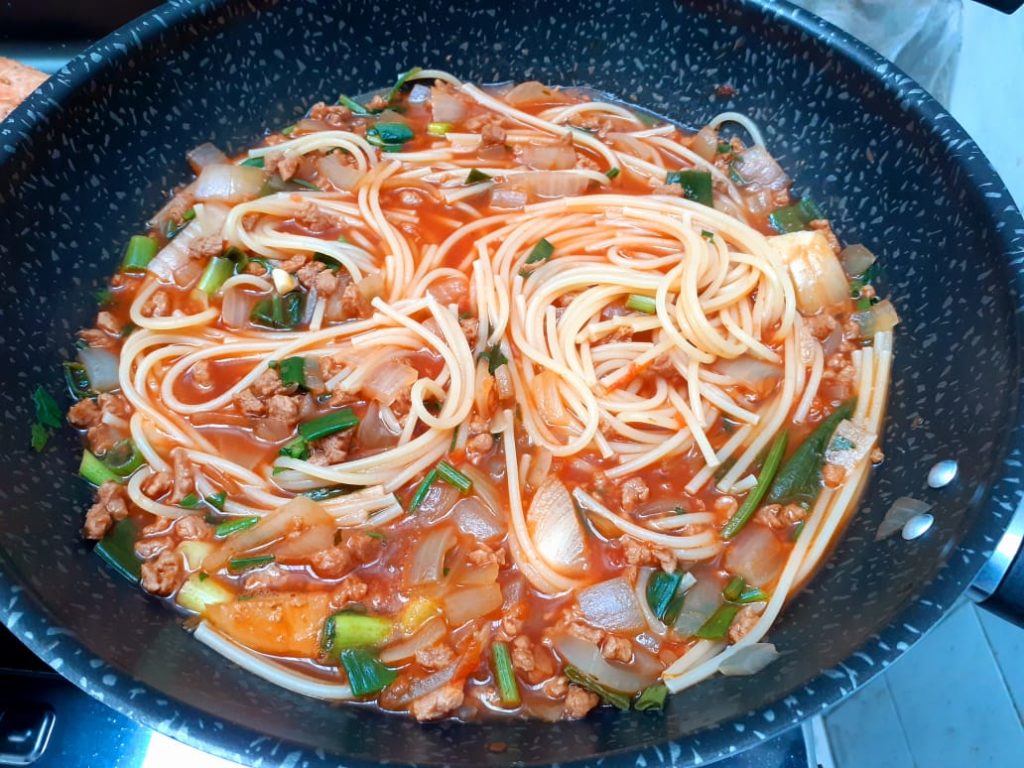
<point>90,155</point>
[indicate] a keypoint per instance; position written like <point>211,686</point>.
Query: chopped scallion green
<point>234,526</point>
<point>696,185</point>
<point>734,588</point>
<point>328,424</point>
<point>475,177</point>
<point>799,481</point>
<point>640,303</point>
<point>453,477</point>
<point>611,173</point>
<point>354,106</point>
<point>348,629</point>
<point>422,489</point>
<point>794,218</point>
<point>216,500</point>
<point>652,698</point>
<point>402,80</point>
<point>191,213</point>
<point>752,595</point>
<point>504,674</point>
<point>95,471</point>
<point>617,699</point>
<point>757,493</point>
<point>717,627</point>
<point>541,252</point>
<point>117,548</point>
<point>245,563</point>
<point>366,673</point>
<point>322,494</point>
<point>661,589</point>
<point>389,134</point>
<point>280,312</point>
<point>217,271</point>
<point>254,162</point>
<point>124,458</point>
<point>296,449</point>
<point>292,371</point>
<point>78,382</point>
<point>495,358</point>
<point>138,253</point>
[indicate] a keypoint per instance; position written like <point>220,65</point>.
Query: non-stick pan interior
<point>79,175</point>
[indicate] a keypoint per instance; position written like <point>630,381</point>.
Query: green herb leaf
<point>475,177</point>
<point>422,490</point>
<point>40,436</point>
<point>696,185</point>
<point>652,698</point>
<point>799,480</point>
<point>245,563</point>
<point>47,411</point>
<point>366,673</point>
<point>541,252</point>
<point>453,477</point>
<point>495,358</point>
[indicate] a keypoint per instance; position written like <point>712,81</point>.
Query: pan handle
<point>1006,6</point>
<point>999,586</point>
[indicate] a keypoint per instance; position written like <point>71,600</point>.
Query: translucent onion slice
<point>556,529</point>
<point>587,658</point>
<point>611,605</point>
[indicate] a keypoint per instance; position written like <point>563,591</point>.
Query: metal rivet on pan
<point>942,474</point>
<point>917,526</point>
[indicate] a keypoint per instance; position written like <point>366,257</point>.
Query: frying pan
<point>92,154</point>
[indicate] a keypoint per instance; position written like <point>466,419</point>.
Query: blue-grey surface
<point>85,160</point>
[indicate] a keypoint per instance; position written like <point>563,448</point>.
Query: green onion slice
<point>764,481</point>
<point>138,253</point>
<point>504,674</point>
<point>453,477</point>
<point>366,673</point>
<point>234,526</point>
<point>696,185</point>
<point>329,424</point>
<point>245,563</point>
<point>95,471</point>
<point>640,303</point>
<point>422,489</point>
<point>717,627</point>
<point>541,252</point>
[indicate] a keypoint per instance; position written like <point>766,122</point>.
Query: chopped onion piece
<point>432,631</point>
<point>172,263</point>
<point>759,170</point>
<point>298,514</point>
<point>101,367</point>
<point>471,602</point>
<point>236,308</point>
<point>342,176</point>
<point>446,106</point>
<point>549,402</point>
<point>477,519</point>
<point>389,381</point>
<point>702,600</point>
<point>371,286</point>
<point>749,659</point>
<point>509,197</point>
<point>749,370</point>
<point>849,445</point>
<point>880,317</point>
<point>553,184</point>
<point>587,658</point>
<point>428,559</point>
<point>302,546</point>
<point>503,382</point>
<point>756,555</point>
<point>377,430</point>
<point>532,92</point>
<point>419,94</point>
<point>817,276</point>
<point>611,605</point>
<point>556,529</point>
<point>899,513</point>
<point>205,154</point>
<point>856,259</point>
<point>229,183</point>
<point>705,143</point>
<point>548,157</point>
